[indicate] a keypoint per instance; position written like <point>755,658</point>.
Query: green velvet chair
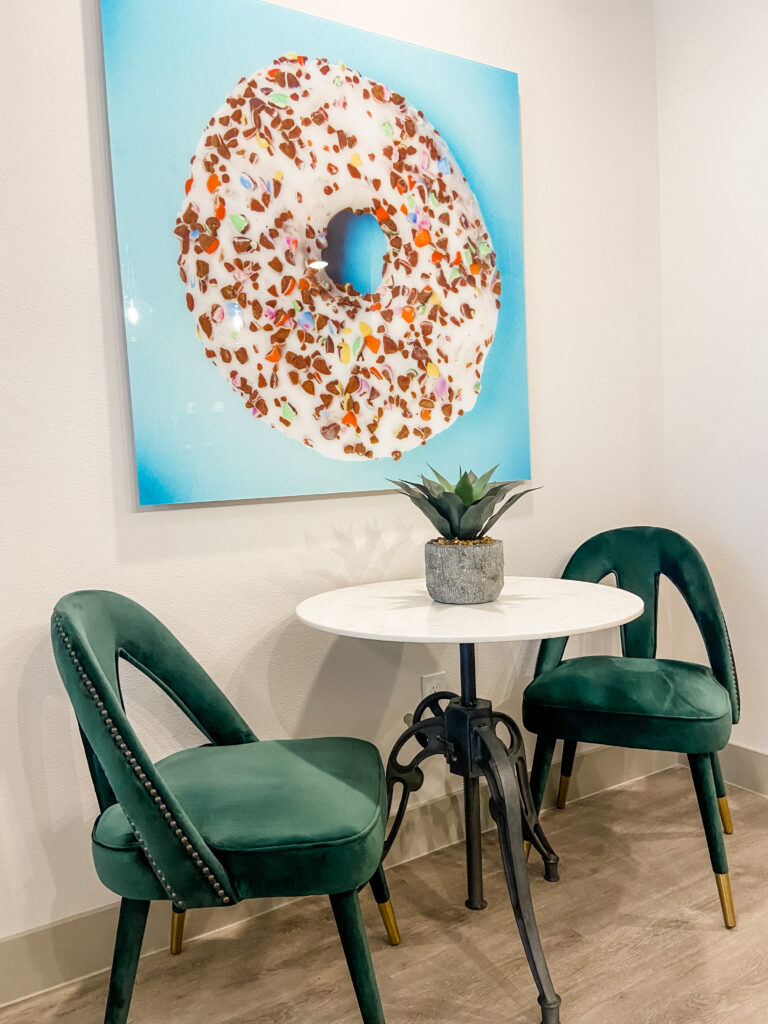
<point>639,700</point>
<point>235,819</point>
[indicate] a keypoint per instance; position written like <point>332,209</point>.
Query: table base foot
<point>463,730</point>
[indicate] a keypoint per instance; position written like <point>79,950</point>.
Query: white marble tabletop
<point>529,608</point>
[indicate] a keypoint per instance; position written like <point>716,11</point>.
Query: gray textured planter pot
<point>464,573</point>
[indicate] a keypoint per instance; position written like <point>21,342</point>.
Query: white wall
<point>226,578</point>
<point>713,148</point>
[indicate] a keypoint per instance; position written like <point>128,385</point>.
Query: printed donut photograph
<point>334,280</point>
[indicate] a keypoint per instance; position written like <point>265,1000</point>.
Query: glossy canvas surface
<point>198,432</point>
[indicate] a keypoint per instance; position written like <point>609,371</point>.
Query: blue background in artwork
<point>169,67</point>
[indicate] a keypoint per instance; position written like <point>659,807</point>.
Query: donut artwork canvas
<point>320,236</point>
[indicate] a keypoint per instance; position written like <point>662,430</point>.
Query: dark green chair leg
<point>704,781</point>
<point>542,762</point>
<point>380,891</point>
<point>566,770</point>
<point>349,921</point>
<point>722,796</point>
<point>130,932</point>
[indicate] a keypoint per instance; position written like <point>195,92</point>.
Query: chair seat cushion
<point>651,703</point>
<point>285,817</point>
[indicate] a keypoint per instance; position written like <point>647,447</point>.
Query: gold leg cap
<point>390,922</point>
<point>527,848</point>
<point>726,899</point>
<point>177,930</point>
<point>562,793</point>
<point>725,814</point>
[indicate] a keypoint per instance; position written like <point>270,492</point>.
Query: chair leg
<point>722,797</point>
<point>542,762</point>
<point>349,921</point>
<point>380,891</point>
<point>566,770</point>
<point>177,929</point>
<point>703,780</point>
<point>130,932</point>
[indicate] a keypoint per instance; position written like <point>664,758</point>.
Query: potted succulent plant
<point>464,565</point>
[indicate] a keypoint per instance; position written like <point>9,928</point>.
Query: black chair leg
<point>380,891</point>
<point>704,781</point>
<point>722,796</point>
<point>130,932</point>
<point>542,762</point>
<point>349,921</point>
<point>566,770</point>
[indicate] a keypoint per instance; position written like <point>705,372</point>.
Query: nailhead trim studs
<point>141,774</point>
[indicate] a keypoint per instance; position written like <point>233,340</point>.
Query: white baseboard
<point>745,767</point>
<point>79,946</point>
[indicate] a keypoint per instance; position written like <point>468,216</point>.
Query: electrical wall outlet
<point>432,683</point>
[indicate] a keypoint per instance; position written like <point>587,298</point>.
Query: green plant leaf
<point>445,484</point>
<point>451,507</point>
<point>432,486</point>
<point>414,492</point>
<point>464,489</point>
<point>507,505</point>
<point>477,513</point>
<point>479,484</point>
<point>438,521</point>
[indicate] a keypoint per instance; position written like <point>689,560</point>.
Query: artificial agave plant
<point>464,510</point>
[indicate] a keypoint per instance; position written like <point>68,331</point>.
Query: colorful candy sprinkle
<point>432,370</point>
<point>239,221</point>
<point>279,99</point>
<point>288,412</point>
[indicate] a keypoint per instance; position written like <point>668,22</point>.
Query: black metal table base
<point>463,730</point>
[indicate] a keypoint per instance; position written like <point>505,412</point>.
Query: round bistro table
<point>463,727</point>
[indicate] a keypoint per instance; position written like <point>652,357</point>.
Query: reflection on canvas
<point>342,265</point>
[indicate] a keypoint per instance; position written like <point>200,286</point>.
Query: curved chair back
<point>638,556</point>
<point>91,630</point>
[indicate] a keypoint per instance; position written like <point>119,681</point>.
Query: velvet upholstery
<point>653,703</point>
<point>286,818</point>
<point>232,819</point>
<point>639,700</point>
<point>637,556</point>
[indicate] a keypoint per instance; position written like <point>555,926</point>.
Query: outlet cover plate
<point>431,683</point>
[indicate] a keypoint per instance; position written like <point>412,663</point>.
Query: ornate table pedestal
<point>464,729</point>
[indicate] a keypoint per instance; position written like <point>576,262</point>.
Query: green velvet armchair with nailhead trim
<point>639,700</point>
<point>233,819</point>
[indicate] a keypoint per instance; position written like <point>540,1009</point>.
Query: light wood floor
<point>632,933</point>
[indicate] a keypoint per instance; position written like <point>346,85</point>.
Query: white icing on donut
<point>353,376</point>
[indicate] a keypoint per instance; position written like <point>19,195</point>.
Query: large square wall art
<point>320,236</point>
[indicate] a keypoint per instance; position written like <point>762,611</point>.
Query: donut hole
<point>355,251</point>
